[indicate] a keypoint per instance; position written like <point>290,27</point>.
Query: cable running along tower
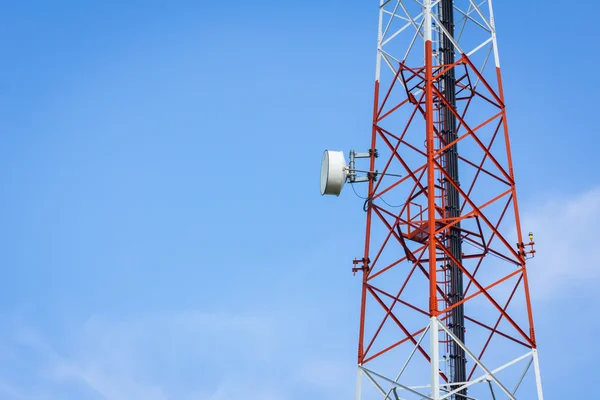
<point>445,309</point>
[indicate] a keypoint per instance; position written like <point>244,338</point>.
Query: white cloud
<point>566,243</point>
<point>142,358</point>
<point>184,356</point>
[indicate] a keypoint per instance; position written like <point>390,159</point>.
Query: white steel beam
<point>538,376</point>
<point>434,350</point>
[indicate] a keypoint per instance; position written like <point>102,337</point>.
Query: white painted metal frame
<point>423,24</point>
<point>434,387</point>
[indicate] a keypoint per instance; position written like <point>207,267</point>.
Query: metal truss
<point>406,324</point>
<point>489,378</point>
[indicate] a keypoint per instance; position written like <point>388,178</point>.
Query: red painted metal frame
<point>421,97</point>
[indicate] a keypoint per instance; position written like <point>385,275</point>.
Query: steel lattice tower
<point>445,310</point>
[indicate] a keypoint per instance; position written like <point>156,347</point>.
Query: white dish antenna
<point>333,172</point>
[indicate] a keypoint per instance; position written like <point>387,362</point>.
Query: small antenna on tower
<point>335,172</point>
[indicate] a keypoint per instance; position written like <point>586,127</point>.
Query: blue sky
<point>162,232</point>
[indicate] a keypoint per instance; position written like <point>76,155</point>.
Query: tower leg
<point>435,358</point>
<point>538,376</point>
<point>358,383</point>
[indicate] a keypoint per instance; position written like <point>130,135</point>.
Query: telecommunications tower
<point>445,310</point>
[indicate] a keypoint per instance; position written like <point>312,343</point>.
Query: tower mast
<point>445,310</point>
<point>447,128</point>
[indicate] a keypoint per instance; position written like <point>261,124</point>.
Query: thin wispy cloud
<point>180,356</point>
<point>566,242</point>
<point>157,357</point>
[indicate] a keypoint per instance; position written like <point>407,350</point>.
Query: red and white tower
<point>445,310</point>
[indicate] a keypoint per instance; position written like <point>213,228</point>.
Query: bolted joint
<point>360,265</point>
<point>373,175</point>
